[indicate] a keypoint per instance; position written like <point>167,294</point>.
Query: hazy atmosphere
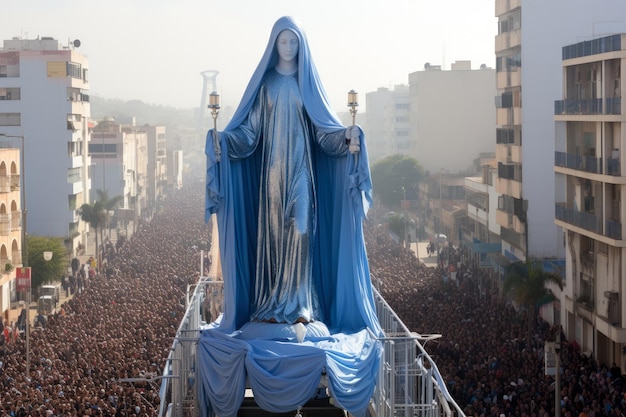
<point>154,50</point>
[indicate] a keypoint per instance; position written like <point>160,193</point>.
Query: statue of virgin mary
<point>290,199</point>
<point>290,195</point>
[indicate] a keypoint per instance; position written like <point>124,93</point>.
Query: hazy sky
<point>155,50</point>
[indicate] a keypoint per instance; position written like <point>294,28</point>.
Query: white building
<point>156,179</point>
<point>528,58</point>
<point>387,117</point>
<point>120,167</point>
<point>590,142</point>
<point>482,235</point>
<point>451,116</point>
<point>43,98</point>
<point>175,169</point>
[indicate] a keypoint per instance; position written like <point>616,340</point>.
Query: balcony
<point>509,187</point>
<point>614,229</point>
<point>592,47</point>
<point>508,79</point>
<point>508,116</point>
<point>5,223</point>
<point>588,106</point>
<point>587,163</point>
<point>514,238</point>
<point>509,154</point>
<point>15,182</point>
<point>577,218</point>
<point>16,220</point>
<point>5,183</point>
<point>508,40</point>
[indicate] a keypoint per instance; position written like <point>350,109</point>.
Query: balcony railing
<point>613,106</point>
<point>593,47</point>
<point>581,219</point>
<point>614,229</point>
<point>5,183</point>
<point>613,167</point>
<point>587,163</point>
<point>5,223</point>
<point>578,106</point>
<point>16,220</point>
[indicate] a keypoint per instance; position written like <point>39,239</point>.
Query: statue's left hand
<point>352,134</point>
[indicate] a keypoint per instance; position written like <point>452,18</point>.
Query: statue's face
<point>287,45</point>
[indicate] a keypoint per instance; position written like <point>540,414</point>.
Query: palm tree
<point>97,214</point>
<point>526,283</point>
<point>94,214</point>
<point>108,204</point>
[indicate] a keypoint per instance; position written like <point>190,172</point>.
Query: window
<point>73,175</point>
<point>102,148</point>
<point>74,70</point>
<point>72,201</point>
<point>10,119</point>
<point>74,149</point>
<point>74,122</point>
<point>10,94</point>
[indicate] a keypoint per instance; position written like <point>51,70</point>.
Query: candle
<point>353,98</point>
<point>214,100</point>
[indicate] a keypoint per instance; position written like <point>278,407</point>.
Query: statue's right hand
<point>216,144</point>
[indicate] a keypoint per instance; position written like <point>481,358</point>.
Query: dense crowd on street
<point>491,365</point>
<point>122,324</point>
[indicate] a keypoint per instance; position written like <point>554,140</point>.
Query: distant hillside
<point>123,112</point>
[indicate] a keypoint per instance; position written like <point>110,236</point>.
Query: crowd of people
<point>491,365</point>
<point>123,323</point>
<point>121,326</point>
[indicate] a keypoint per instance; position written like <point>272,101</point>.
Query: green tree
<point>43,271</point>
<point>108,205</point>
<point>96,215</point>
<point>526,283</point>
<point>391,174</point>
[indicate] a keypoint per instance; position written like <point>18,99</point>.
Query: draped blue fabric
<point>284,374</point>
<point>340,267</point>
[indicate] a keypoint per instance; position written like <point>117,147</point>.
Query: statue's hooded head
<point>311,88</point>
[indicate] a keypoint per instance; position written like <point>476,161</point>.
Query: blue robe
<point>340,194</point>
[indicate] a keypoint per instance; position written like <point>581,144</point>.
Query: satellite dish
<point>76,43</point>
<point>427,65</point>
<point>483,66</point>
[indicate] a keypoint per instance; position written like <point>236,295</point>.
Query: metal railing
<point>410,383</point>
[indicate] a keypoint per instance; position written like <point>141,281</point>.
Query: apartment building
<point>451,116</point>
<point>44,102</point>
<point>121,162</point>
<point>10,228</point>
<point>528,58</point>
<point>387,123</point>
<point>590,142</point>
<point>156,173</point>
<point>481,232</point>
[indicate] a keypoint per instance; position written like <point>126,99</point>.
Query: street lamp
<point>24,245</point>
